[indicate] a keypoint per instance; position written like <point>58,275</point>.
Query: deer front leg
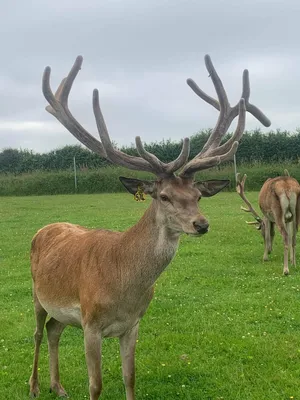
<point>127,349</point>
<point>40,315</point>
<point>92,343</point>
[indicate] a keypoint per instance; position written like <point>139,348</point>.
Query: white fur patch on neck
<point>166,246</point>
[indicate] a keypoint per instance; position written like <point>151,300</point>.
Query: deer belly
<point>66,315</point>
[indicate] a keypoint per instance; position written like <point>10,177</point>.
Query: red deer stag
<point>279,201</point>
<point>103,281</point>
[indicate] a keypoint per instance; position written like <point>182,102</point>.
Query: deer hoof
<point>59,390</point>
<point>34,394</point>
<point>34,389</point>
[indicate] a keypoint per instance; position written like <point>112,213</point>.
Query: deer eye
<point>163,197</point>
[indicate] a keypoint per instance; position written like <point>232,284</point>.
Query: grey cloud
<point>139,54</point>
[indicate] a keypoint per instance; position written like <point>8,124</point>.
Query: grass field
<point>223,325</point>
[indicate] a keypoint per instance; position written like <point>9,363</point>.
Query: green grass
<point>222,325</point>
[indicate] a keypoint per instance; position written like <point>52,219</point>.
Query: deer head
<point>176,196</point>
<point>240,188</point>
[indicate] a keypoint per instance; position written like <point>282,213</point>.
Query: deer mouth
<point>196,234</point>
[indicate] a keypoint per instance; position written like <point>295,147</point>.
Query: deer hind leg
<point>54,331</point>
<point>92,342</point>
<point>293,237</point>
<point>296,221</point>
<point>284,233</point>
<point>267,239</point>
<point>272,235</point>
<point>127,350</point>
<point>286,251</point>
<point>40,314</point>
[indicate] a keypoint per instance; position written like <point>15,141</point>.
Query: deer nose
<point>201,227</point>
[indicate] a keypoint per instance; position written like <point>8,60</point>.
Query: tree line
<point>255,146</point>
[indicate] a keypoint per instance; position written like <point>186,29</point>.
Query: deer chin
<point>195,234</point>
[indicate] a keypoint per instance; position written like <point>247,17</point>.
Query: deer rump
<point>279,200</point>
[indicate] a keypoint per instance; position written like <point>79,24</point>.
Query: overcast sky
<point>139,54</point>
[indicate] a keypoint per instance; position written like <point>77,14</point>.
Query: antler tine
<point>251,108</point>
<point>199,92</point>
<point>151,158</point>
<point>255,111</point>
<point>116,156</point>
<point>220,154</point>
<point>258,223</point>
<point>238,131</point>
<point>222,105</point>
<point>240,188</point>
<point>64,89</point>
<point>227,114</point>
<point>246,85</point>
<point>198,164</point>
<point>223,100</point>
<point>171,167</point>
<point>181,159</point>
<point>147,162</point>
<point>222,96</point>
<point>59,108</point>
<point>224,108</point>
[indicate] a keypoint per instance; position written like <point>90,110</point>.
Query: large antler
<point>240,188</point>
<point>58,106</point>
<point>212,153</point>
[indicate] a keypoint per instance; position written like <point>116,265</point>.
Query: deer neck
<point>150,247</point>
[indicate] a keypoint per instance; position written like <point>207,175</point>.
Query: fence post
<point>235,170</point>
<point>75,174</point>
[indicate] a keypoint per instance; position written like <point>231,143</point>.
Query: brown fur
<point>103,280</point>
<point>279,201</point>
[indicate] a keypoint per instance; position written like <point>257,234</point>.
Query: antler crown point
<point>78,62</point>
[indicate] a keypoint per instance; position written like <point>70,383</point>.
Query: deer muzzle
<point>201,227</point>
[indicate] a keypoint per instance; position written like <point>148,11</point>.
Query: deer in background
<point>279,202</point>
<point>102,280</point>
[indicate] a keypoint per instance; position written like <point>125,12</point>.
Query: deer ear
<point>133,185</point>
<point>212,187</point>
